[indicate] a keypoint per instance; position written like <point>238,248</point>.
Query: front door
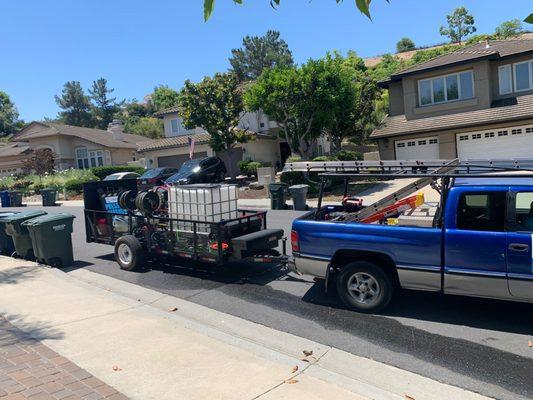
<point>475,245</point>
<point>519,245</point>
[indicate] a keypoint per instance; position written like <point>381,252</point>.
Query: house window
<point>421,142</point>
<point>446,88</point>
<point>489,134</point>
<point>411,144</point>
<point>516,131</point>
<point>463,137</point>
<point>433,141</point>
<point>505,80</point>
<point>96,158</point>
<point>529,130</point>
<point>502,133</point>
<point>175,126</point>
<point>400,145</point>
<point>522,76</point>
<point>82,158</point>
<point>476,136</point>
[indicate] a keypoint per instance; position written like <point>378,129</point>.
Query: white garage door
<point>514,142</point>
<point>417,149</point>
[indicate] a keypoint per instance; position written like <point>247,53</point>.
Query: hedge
<point>102,172</point>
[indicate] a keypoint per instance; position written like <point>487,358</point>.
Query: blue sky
<point>137,44</point>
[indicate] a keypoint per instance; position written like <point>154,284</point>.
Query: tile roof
<point>166,111</point>
<point>497,49</point>
<point>14,149</point>
<point>516,108</point>
<point>176,141</point>
<point>98,136</point>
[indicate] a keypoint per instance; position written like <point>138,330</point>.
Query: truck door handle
<point>518,247</point>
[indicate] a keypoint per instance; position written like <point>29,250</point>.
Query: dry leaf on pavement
<point>291,381</point>
<point>308,352</point>
<point>407,397</point>
<point>116,368</point>
<point>294,369</point>
<point>173,309</point>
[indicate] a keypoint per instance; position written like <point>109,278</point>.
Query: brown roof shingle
<point>497,49</point>
<point>176,141</point>
<point>518,108</point>
<point>14,149</point>
<point>166,111</point>
<point>98,136</point>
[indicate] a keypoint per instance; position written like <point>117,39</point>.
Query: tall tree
<point>75,105</point>
<point>460,25</point>
<point>9,115</point>
<point>164,97</point>
<point>147,126</point>
<point>258,53</point>
<point>509,29</point>
<point>103,107</point>
<point>405,44</point>
<point>216,105</point>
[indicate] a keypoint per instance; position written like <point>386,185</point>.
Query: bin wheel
<point>55,262</point>
<point>129,253</point>
<point>364,286</point>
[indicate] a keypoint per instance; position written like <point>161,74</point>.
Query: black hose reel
<point>148,202</point>
<point>126,200</point>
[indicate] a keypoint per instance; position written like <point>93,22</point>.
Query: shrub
<point>21,184</point>
<point>349,155</point>
<point>243,166</point>
<point>324,158</point>
<point>252,167</point>
<point>102,172</point>
<point>74,185</point>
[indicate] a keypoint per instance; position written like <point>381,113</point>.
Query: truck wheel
<point>129,253</point>
<point>364,287</point>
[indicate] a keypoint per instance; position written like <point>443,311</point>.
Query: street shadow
<point>25,332</point>
<point>14,275</point>
<point>497,315</point>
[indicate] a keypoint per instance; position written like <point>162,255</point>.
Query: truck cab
<point>480,244</point>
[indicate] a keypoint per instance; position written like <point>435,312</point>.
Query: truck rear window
<point>482,211</point>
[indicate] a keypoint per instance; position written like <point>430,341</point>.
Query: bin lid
<point>4,214</point>
<point>21,216</point>
<point>299,186</point>
<point>43,219</point>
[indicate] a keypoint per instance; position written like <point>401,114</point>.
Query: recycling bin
<point>49,197</point>
<point>15,199</point>
<point>6,242</point>
<point>51,238</point>
<point>19,233</point>
<point>299,196</point>
<point>4,199</point>
<point>278,192</point>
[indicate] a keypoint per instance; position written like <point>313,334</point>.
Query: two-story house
<point>173,149</point>
<point>474,103</point>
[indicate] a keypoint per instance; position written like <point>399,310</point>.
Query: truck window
<point>524,211</point>
<point>482,211</point>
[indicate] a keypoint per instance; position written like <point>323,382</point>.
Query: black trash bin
<point>51,237</point>
<point>19,233</point>
<point>6,242</point>
<point>15,199</point>
<point>299,196</point>
<point>4,199</point>
<point>278,193</point>
<point>49,197</point>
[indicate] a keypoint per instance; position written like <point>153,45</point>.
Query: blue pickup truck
<point>480,244</point>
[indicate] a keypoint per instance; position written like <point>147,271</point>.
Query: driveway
<point>480,345</point>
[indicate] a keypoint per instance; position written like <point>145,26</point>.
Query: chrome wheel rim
<point>363,288</point>
<point>124,253</point>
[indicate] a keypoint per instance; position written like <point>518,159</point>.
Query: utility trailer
<point>139,224</point>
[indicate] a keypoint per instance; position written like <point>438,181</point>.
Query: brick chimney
<point>116,128</point>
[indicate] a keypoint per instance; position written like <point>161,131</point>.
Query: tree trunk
<point>230,165</point>
<point>336,142</point>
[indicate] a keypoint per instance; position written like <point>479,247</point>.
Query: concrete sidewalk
<point>148,345</point>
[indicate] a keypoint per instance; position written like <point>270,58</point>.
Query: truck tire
<point>129,253</point>
<point>364,286</point>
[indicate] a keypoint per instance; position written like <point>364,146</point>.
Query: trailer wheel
<point>364,286</point>
<point>129,253</point>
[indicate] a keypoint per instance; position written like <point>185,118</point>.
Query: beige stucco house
<point>12,158</point>
<point>474,103</point>
<point>78,147</point>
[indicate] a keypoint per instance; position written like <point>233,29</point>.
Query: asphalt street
<point>477,344</point>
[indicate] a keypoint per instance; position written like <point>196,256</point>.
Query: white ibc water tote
<point>203,203</point>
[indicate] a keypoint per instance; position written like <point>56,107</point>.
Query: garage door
<point>417,149</point>
<point>514,142</point>
<point>175,161</point>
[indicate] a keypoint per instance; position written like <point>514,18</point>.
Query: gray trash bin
<point>299,196</point>
<point>49,197</point>
<point>277,195</point>
<point>15,199</point>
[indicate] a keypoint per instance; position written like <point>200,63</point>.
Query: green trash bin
<point>6,242</point>
<point>51,237</point>
<point>278,193</point>
<point>49,197</point>
<point>15,199</point>
<point>19,233</point>
<point>299,196</point>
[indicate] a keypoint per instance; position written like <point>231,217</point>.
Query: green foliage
<point>388,65</point>
<point>149,127</point>
<point>362,5</point>
<point>405,44</point>
<point>426,55</point>
<point>509,29</point>
<point>57,180</point>
<point>252,166</point>
<point>216,105</point>
<point>102,172</point>
<point>348,155</point>
<point>324,158</point>
<point>243,166</point>
<point>258,53</point>
<point>529,19</point>
<point>460,25</point>
<point>164,97</point>
<point>478,39</point>
<point>103,108</point>
<point>9,115</point>
<point>75,105</point>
